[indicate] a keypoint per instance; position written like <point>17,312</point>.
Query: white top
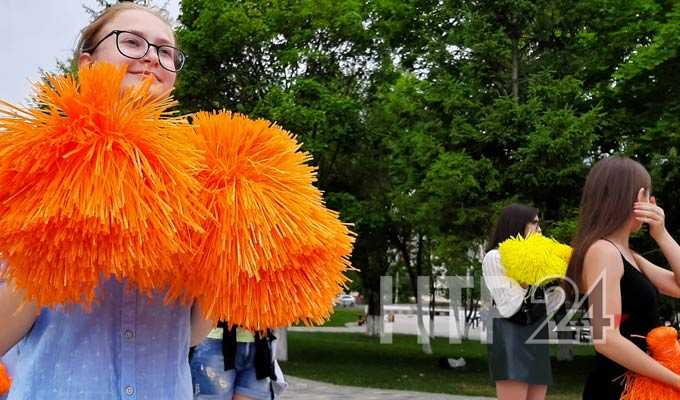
<point>507,293</point>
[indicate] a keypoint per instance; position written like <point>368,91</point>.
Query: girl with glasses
<point>123,35</point>
<point>520,370</point>
<point>129,345</point>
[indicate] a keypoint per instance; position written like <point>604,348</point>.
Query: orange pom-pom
<point>663,347</point>
<point>273,254</point>
<point>663,344</point>
<point>96,180</point>
<point>5,380</point>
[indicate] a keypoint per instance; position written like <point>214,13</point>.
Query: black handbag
<point>533,308</point>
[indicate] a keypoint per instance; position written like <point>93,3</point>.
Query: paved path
<point>303,389</point>
<point>403,324</point>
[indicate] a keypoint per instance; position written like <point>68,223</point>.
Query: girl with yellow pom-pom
<point>128,344</point>
<point>623,286</point>
<point>520,370</point>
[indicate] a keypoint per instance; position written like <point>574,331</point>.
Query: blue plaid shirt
<point>128,347</point>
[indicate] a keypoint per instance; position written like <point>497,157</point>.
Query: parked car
<point>347,300</point>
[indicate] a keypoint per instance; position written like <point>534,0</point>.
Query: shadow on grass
<point>359,360</point>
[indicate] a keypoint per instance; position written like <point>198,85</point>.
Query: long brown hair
<point>607,201</point>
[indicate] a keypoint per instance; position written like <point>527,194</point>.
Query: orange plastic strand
<point>94,181</point>
<point>5,380</point>
<point>273,254</point>
<point>663,347</point>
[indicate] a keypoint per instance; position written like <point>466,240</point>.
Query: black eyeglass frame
<point>116,32</point>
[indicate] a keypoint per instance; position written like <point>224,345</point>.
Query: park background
<point>424,118</point>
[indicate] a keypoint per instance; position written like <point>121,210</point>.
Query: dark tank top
<point>639,309</point>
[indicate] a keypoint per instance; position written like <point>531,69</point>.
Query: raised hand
<point>648,212</point>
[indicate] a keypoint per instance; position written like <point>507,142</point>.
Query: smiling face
<point>150,27</point>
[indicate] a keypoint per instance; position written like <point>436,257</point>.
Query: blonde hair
<point>91,31</point>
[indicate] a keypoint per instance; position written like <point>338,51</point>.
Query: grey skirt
<point>510,357</point>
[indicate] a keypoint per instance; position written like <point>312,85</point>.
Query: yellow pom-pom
<point>561,250</point>
<point>534,259</point>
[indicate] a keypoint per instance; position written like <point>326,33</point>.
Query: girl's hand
<point>647,211</point>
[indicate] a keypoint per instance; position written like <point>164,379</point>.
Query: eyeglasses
<point>134,46</point>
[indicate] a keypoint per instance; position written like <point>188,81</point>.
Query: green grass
<point>343,315</point>
<point>359,360</point>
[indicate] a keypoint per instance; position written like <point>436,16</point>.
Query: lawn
<point>343,315</point>
<point>359,360</point>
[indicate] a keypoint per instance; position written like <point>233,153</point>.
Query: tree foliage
<point>425,117</point>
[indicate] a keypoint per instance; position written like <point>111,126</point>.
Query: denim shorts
<point>212,382</point>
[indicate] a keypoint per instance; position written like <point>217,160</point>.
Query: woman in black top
<point>623,286</point>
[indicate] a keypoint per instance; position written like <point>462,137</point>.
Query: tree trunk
<point>471,310</point>
<point>374,318</point>
<point>423,335</point>
<point>515,69</point>
<point>422,286</point>
<point>431,323</point>
<point>433,292</point>
<point>281,344</point>
<point>370,252</point>
<point>515,34</point>
<point>373,312</point>
<point>419,286</point>
<point>374,325</point>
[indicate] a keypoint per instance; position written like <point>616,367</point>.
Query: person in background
<point>234,364</point>
<point>521,370</point>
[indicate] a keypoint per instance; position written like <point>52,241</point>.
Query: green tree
<point>309,66</point>
<point>425,117</point>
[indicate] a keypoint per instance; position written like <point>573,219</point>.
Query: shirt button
<point>129,334</point>
<point>129,390</point>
